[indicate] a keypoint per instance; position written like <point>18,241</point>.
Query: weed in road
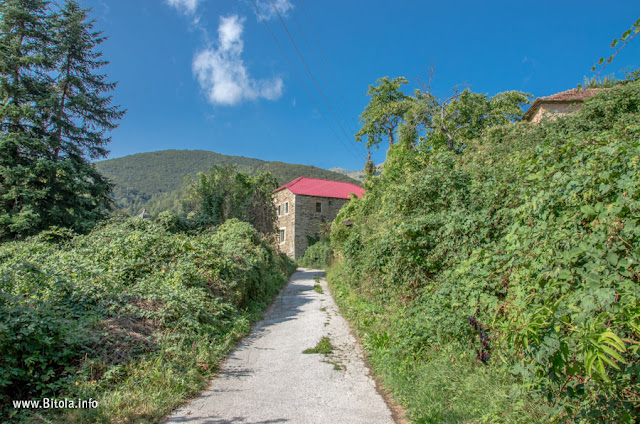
<point>336,366</point>
<point>318,288</point>
<point>324,347</point>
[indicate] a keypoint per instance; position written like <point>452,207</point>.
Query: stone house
<point>559,104</point>
<point>304,205</point>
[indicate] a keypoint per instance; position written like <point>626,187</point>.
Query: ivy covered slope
<point>132,314</point>
<point>501,284</point>
<point>155,180</point>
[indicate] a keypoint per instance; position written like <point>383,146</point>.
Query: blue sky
<point>207,74</point>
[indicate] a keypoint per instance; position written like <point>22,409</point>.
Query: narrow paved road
<point>268,379</point>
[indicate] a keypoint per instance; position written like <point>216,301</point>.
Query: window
<point>279,210</point>
<point>282,235</point>
<point>318,207</point>
<point>286,208</point>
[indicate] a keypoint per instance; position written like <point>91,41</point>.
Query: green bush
<point>173,223</point>
<point>318,255</point>
<point>101,314</point>
<point>521,251</point>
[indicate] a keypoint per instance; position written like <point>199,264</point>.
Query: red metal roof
<point>322,188</point>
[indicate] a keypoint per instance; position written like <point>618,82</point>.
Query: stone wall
<point>286,220</point>
<point>308,222</point>
<point>553,110</point>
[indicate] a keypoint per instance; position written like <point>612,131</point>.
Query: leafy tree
<point>224,193</point>
<point>384,112</point>
<point>462,116</point>
<point>441,121</point>
<point>55,117</point>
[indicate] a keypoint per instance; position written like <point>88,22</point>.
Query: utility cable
<point>299,79</point>
<point>324,57</point>
<point>308,69</point>
<point>322,73</point>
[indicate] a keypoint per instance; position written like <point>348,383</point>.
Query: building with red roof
<point>306,206</point>
<point>559,104</point>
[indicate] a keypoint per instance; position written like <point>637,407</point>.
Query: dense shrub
<point>522,251</point>
<point>81,315</point>
<point>318,255</point>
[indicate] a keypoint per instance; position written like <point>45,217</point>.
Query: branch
<point>627,36</point>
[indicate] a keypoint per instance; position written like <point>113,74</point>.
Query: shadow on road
<point>287,305</point>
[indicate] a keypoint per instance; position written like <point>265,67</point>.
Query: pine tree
<point>24,62</point>
<point>82,115</point>
<point>71,113</point>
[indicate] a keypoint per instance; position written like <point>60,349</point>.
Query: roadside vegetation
<point>318,255</point>
<point>132,315</point>
<point>491,270</point>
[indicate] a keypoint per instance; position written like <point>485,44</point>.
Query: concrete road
<point>267,379</point>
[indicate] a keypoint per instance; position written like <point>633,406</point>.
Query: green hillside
<point>155,180</point>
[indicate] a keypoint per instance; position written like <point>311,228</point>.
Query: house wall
<point>308,222</point>
<point>286,221</point>
<point>302,219</point>
<point>554,110</point>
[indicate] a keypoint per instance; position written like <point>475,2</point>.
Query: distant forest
<point>156,180</point>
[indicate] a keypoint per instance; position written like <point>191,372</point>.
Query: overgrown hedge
<point>521,252</point>
<point>132,315</point>
<point>318,255</point>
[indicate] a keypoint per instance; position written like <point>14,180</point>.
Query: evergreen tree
<point>25,58</point>
<point>71,113</point>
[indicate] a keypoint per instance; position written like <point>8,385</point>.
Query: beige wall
<point>554,110</point>
<point>309,222</point>
<point>302,219</point>
<point>286,221</point>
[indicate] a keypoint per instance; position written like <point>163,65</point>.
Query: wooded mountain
<point>155,180</point>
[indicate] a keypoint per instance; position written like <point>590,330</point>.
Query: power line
<point>323,75</point>
<point>298,77</point>
<point>326,62</point>
<point>309,69</point>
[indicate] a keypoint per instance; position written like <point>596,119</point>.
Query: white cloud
<point>185,6</point>
<point>268,12</point>
<point>221,71</point>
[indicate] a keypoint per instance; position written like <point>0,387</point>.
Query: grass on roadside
<point>130,315</point>
<point>434,385</point>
